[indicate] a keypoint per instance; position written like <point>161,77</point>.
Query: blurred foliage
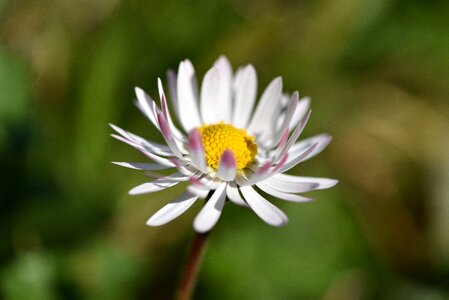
<point>378,73</point>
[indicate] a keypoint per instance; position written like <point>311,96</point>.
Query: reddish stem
<point>189,277</point>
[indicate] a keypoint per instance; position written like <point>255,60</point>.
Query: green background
<point>378,75</point>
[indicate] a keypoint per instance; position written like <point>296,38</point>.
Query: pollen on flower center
<point>219,137</point>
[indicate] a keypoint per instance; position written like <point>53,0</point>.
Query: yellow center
<point>219,137</point>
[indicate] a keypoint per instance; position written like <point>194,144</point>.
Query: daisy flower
<point>226,147</point>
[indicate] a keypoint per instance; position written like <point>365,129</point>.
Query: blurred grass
<point>378,75</point>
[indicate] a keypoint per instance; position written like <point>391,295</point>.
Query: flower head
<point>225,148</point>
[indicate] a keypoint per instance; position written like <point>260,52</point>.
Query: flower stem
<point>189,277</point>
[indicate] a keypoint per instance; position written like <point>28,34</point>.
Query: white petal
<point>200,191</point>
<point>176,133</point>
<point>245,89</point>
<point>196,149</point>
<point>210,182</point>
<point>141,166</point>
<point>225,102</point>
<point>173,90</point>
<point>153,147</point>
<point>301,110</point>
<point>187,96</point>
<point>281,195</point>
<point>227,167</point>
<point>234,195</point>
<point>299,184</point>
<point>172,210</point>
<point>210,213</point>
<point>168,134</point>
<point>320,141</point>
<point>158,184</point>
<point>210,97</point>
<point>298,158</point>
<point>144,102</point>
<point>295,135</point>
<point>264,209</point>
<point>263,123</point>
<point>152,156</point>
<point>290,110</point>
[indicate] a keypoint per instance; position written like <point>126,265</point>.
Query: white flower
<point>225,147</point>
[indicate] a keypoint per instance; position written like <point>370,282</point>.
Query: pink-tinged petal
<point>300,112</point>
<point>227,167</point>
<point>165,129</point>
<point>209,182</point>
<point>295,135</point>
<point>210,213</point>
<point>280,164</point>
<point>322,140</point>
<point>245,90</point>
<point>284,138</point>
<point>183,166</point>
<point>264,209</point>
<point>281,195</point>
<point>234,195</point>
<point>175,131</point>
<point>153,147</point>
<point>168,136</point>
<point>197,188</point>
<point>263,169</point>
<point>299,158</point>
<point>172,210</point>
<point>260,174</point>
<point>152,156</point>
<point>290,110</point>
<point>196,149</point>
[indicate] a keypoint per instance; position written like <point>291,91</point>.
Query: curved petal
<point>227,167</point>
<point>264,209</point>
<point>152,156</point>
<point>210,213</point>
<point>300,111</point>
<point>144,104</point>
<point>234,195</point>
<point>172,210</point>
<point>281,195</point>
<point>151,146</point>
<point>196,149</point>
<point>176,133</point>
<point>290,110</point>
<point>173,90</point>
<point>299,184</point>
<point>295,135</point>
<point>168,134</point>
<point>303,151</point>
<point>158,184</point>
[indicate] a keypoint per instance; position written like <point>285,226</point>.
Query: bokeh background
<point>378,75</point>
